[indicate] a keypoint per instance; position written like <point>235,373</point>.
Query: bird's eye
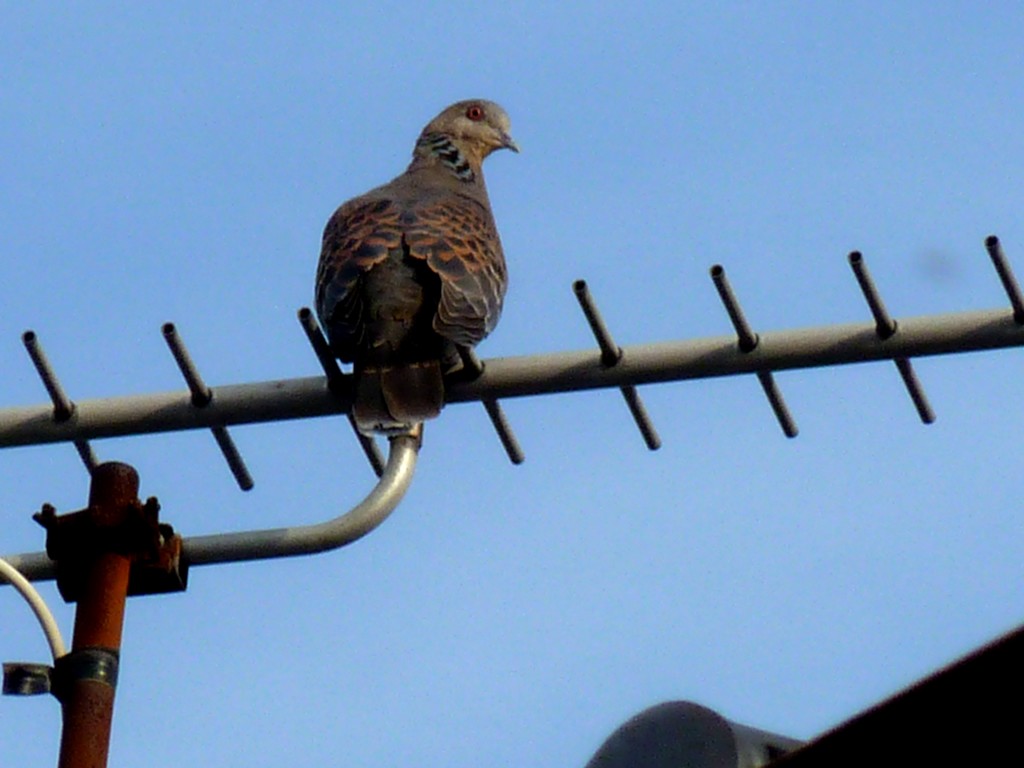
<point>475,112</point>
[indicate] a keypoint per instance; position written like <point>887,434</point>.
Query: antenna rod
<point>531,375</point>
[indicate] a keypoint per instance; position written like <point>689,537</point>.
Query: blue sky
<point>178,163</point>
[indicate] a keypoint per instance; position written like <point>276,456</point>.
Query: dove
<point>414,269</point>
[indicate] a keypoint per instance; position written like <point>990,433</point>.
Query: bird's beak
<point>507,142</point>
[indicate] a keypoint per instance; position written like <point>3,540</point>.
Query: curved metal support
<point>319,537</point>
<point>285,542</point>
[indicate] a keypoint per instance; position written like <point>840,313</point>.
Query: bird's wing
<point>454,234</point>
<point>457,238</point>
<point>359,235</point>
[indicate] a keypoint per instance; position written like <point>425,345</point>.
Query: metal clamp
<point>27,679</point>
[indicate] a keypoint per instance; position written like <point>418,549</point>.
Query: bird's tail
<point>392,399</point>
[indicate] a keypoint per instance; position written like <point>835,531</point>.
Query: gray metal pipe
<point>319,537</point>
<point>721,356</point>
<point>501,378</point>
<point>529,375</point>
<point>283,542</point>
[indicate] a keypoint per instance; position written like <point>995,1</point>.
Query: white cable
<point>38,606</point>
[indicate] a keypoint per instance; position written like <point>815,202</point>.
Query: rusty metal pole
<point>88,674</point>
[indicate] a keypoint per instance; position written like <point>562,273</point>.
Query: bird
<point>413,270</point>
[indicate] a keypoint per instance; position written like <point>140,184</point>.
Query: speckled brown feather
<point>357,237</point>
<point>412,269</point>
<point>459,241</point>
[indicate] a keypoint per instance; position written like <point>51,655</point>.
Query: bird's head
<point>476,126</point>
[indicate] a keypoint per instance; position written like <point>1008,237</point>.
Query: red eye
<point>475,112</point>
